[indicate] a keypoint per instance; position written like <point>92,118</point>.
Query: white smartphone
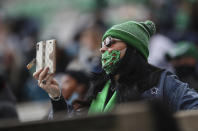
<point>46,55</point>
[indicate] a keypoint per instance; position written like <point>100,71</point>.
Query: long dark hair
<point>135,76</point>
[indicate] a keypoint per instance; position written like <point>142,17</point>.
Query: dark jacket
<point>176,94</point>
<point>170,90</point>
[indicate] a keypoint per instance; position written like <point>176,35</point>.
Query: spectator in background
<point>158,46</point>
<point>22,34</point>
<point>7,101</point>
<point>184,59</point>
<point>62,60</point>
<point>88,57</point>
<point>74,86</point>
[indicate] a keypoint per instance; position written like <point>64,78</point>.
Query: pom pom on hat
<point>150,27</point>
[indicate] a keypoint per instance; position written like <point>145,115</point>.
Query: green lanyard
<point>98,105</point>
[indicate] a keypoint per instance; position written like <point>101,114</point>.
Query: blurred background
<point>78,26</point>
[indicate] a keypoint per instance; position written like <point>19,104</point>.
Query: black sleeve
<point>59,106</point>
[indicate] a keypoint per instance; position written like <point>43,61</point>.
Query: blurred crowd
<point>174,47</point>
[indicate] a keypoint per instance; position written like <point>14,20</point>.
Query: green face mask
<point>110,60</point>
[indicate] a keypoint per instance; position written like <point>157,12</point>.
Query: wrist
<point>55,97</point>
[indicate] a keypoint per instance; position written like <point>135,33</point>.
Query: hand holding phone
<point>45,68</point>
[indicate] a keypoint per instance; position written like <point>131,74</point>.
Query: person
<point>74,86</point>
<point>88,56</point>
<point>184,60</point>
<point>7,101</point>
<point>126,75</point>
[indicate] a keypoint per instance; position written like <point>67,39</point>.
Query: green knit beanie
<point>136,34</point>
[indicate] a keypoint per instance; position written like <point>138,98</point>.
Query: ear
<point>123,52</point>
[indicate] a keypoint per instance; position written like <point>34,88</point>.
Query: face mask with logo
<point>72,98</point>
<point>110,61</point>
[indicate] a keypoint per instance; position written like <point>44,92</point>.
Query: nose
<point>103,49</point>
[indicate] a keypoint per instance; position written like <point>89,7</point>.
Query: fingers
<point>43,74</point>
<point>50,85</point>
<point>49,79</point>
<point>36,74</point>
<point>46,80</point>
<point>54,82</point>
<point>53,90</point>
